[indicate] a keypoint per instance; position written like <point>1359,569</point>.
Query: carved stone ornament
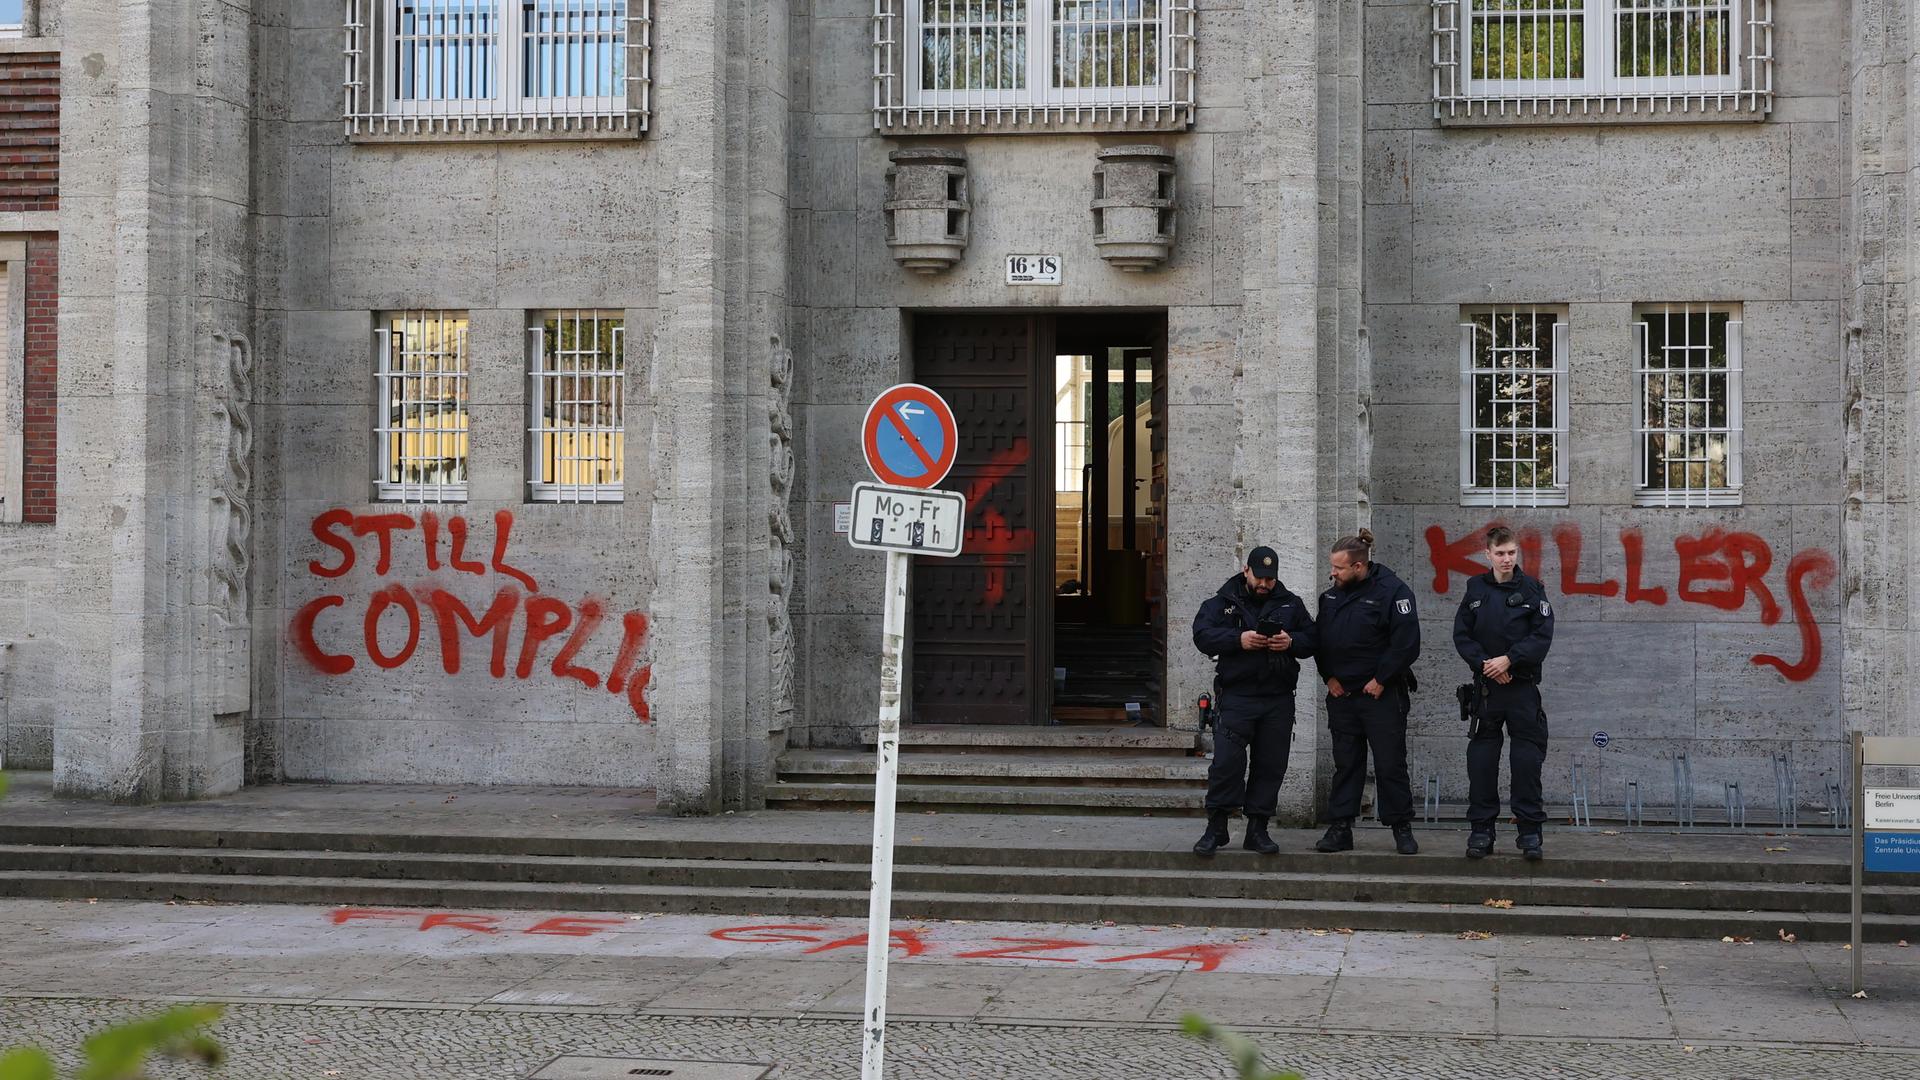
<point>780,537</point>
<point>233,478</point>
<point>927,208</point>
<point>1133,206</point>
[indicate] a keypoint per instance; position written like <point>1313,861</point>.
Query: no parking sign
<point>909,437</point>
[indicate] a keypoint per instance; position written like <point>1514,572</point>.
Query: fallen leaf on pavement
<point>1861,994</point>
<point>1348,930</point>
<point>1776,849</point>
<point>1733,940</point>
<point>1599,881</point>
<point>1624,937</point>
<point>1686,1049</point>
<point>1609,832</point>
<point>1846,948</point>
<point>1502,904</point>
<point>1475,935</point>
<point>1903,943</point>
<point>1788,938</point>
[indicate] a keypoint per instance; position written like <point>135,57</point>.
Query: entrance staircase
<point>1639,886</point>
<point>1060,769</point>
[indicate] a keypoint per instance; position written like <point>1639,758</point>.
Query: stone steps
<point>987,767</point>
<point>1051,736</point>
<point>1327,881</point>
<point>992,796</point>
<point>914,904</point>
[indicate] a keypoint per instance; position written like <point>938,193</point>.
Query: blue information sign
<point>1893,852</point>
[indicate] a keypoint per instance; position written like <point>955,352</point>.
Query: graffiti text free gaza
<point>541,618</point>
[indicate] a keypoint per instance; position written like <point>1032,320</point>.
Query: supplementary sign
<point>1892,840</point>
<point>909,437</point>
<point>907,519</point>
<point>1033,269</point>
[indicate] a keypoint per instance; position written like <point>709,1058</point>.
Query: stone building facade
<point>331,498</point>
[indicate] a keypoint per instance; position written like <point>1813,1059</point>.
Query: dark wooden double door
<point>983,624</point>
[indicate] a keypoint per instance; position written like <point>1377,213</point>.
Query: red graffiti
<point>558,926</point>
<point>907,940</point>
<point>542,620</point>
<point>1208,956</point>
<point>327,528</point>
<point>988,533</point>
<point>1720,569</point>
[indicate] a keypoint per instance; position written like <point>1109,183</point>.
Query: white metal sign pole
<point>886,772</point>
<point>1859,845</point>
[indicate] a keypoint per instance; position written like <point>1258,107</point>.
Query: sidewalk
<point>363,991</point>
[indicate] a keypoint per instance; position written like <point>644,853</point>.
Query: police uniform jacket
<point>1511,619</point>
<point>1234,609</point>
<point>1370,631</point>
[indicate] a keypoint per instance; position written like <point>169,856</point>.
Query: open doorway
<point>1054,613</point>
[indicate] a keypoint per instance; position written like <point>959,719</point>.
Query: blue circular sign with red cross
<point>909,437</point>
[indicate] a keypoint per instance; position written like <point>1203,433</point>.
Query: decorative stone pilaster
<point>1133,206</point>
<point>927,208</point>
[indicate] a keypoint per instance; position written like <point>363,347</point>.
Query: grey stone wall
<point>1599,218</point>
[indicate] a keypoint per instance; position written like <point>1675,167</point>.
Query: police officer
<point>1257,632</point>
<point>1368,638</point>
<point>1503,630</point>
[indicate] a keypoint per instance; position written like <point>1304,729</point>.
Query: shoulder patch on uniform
<point>1229,610</point>
<point>1473,605</point>
<point>1545,609</point>
<point>1405,607</point>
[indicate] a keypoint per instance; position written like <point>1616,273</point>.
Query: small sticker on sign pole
<point>1601,739</point>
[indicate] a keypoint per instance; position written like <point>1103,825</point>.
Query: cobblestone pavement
<point>275,1042</point>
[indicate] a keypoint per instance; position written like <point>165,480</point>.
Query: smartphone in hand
<point>1269,628</point>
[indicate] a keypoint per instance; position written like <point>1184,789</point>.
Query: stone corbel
<point>927,208</point>
<point>1133,206</point>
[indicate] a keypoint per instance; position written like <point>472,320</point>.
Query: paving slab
<point>1425,1005</point>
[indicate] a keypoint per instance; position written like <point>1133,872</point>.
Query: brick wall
<point>29,131</point>
<point>42,366</point>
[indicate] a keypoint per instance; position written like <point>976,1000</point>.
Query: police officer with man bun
<point>1503,630</point>
<point>1369,637</point>
<point>1257,632</point>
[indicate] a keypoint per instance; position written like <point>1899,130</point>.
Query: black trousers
<point>1250,746</point>
<point>1514,708</point>
<point>1360,723</point>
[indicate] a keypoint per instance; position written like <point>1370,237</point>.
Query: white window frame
<point>1747,85</point>
<point>1646,495</point>
<point>1555,429</point>
<point>543,382</point>
<point>385,431</point>
<point>375,105</point>
<point>900,100</point>
<point>13,382</point>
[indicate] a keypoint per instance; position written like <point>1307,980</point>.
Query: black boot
<point>1529,845</point>
<point>1339,837</point>
<point>1480,844</point>
<point>1215,837</point>
<point>1257,838</point>
<point>1403,841</point>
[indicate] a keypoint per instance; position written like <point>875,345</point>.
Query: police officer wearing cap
<point>1257,632</point>
<point>1503,630</point>
<point>1368,639</point>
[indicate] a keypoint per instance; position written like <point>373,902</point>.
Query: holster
<point>1473,706</point>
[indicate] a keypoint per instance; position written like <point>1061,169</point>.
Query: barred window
<point>1671,54</point>
<point>1118,63</point>
<point>1688,358</point>
<point>422,429</point>
<point>1513,407</point>
<point>496,66</point>
<point>577,407</point>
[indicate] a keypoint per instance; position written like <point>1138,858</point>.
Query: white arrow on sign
<point>907,409</point>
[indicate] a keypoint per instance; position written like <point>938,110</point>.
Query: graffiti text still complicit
<point>517,601</point>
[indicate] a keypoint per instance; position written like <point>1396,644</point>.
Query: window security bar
<point>1013,64</point>
<point>422,434</point>
<point>1514,407</point>
<point>1688,436</point>
<point>479,67</point>
<point>577,407</point>
<point>1572,58</point>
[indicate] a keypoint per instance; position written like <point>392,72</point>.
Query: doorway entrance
<point>1055,613</point>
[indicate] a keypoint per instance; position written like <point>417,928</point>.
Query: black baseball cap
<point>1264,563</point>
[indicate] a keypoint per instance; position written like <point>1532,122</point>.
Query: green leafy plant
<point>1242,1051</point>
<point>122,1052</point>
